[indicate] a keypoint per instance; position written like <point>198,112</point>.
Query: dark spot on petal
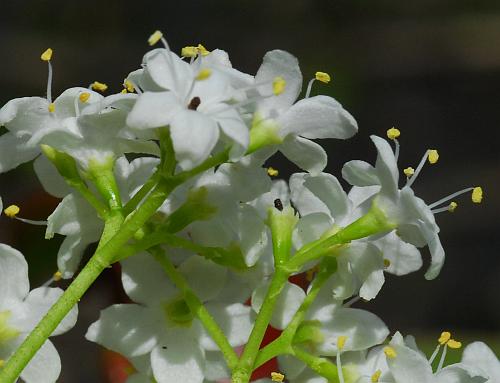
<point>278,205</point>
<point>194,103</point>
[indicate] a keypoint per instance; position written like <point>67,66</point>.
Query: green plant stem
<point>93,201</point>
<point>141,194</point>
<point>99,261</point>
<point>197,307</point>
<point>284,343</point>
<point>319,365</point>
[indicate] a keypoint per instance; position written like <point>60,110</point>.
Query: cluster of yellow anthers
<point>433,157</point>
<point>277,377</point>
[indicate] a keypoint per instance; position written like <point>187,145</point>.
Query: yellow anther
<point>409,171</point>
<point>204,74</point>
<point>124,91</point>
<point>279,85</point>
<point>272,172</point>
<point>47,54</point>
<point>376,376</point>
<point>433,156</point>
<point>311,272</point>
<point>57,276</point>
<point>323,77</point>
<point>189,51</point>
<point>390,352</point>
<point>477,194</point>
<point>203,51</point>
<point>452,343</point>
<point>387,263</point>
<point>444,337</point>
<point>341,342</point>
<point>277,377</point>
<point>128,86</point>
<point>99,86</point>
<point>52,107</point>
<point>2,362</point>
<point>393,133</point>
<point>84,97</point>
<point>155,37</point>
<point>12,211</point>
<point>452,206</point>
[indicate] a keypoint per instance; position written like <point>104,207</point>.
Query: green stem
<point>141,194</point>
<point>197,307</point>
<point>103,257</point>
<point>319,365</point>
<point>283,344</point>
<point>84,191</point>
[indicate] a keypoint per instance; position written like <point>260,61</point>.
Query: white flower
<point>325,208</point>
<point>479,355</point>
<point>21,310</point>
<point>162,325</point>
<point>193,100</point>
<point>411,216</point>
<point>75,218</point>
<point>298,122</point>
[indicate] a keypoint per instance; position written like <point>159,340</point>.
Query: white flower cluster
<point>208,268</point>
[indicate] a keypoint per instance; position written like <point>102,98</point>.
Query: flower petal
<point>360,173</point>
<point>478,354</point>
<point>45,366</point>
<point>153,110</point>
<point>304,153</point>
<point>129,329</point>
<point>51,180</point>
<point>205,277</point>
<point>318,117</point>
<point>310,228</point>
<point>194,135</point>
<point>386,166</point>
<point>404,258</point>
<point>14,151</point>
<point>14,276</point>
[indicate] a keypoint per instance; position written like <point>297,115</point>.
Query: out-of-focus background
<point>430,68</point>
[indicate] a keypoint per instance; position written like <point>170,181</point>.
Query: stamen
<point>450,208</point>
<point>433,156</point>
<point>56,277</point>
<point>444,338</point>
<point>47,56</point>
<point>390,352</point>
<point>393,133</point>
<point>189,51</point>
<point>52,107</point>
<point>412,179</point>
<point>279,85</point>
<point>320,76</point>
<point>443,357</point>
<point>155,37</point>
<point>340,345</point>
<point>84,97</point>
<point>434,354</point>
<point>98,86</point>
<point>204,74</point>
<point>376,376</point>
<point>352,301</point>
<point>277,377</point>
<point>13,210</point>
<point>387,263</point>
<point>409,171</point>
<point>202,50</point>
<point>272,172</point>
<point>454,344</point>
<point>450,197</point>
<point>129,86</point>
<point>477,194</point>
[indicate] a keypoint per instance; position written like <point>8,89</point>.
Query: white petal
<point>71,252</point>
<point>153,110</point>
<point>304,153</point>
<point>194,135</point>
<point>478,354</point>
<point>360,173</point>
<point>290,366</point>
<point>279,63</point>
<point>362,329</point>
<point>310,228</point>
<point>235,129</point>
<point>65,102</point>
<point>14,276</point>
<point>436,250</point>
<point>318,117</point>
<point>51,180</point>
<point>205,277</point>
<point>289,301</point>
<point>215,366</point>
<point>386,166</point>
<point>409,366</point>
<point>461,373</point>
<point>26,115</point>
<point>14,152</point>
<point>236,321</point>
<point>36,305</point>
<point>404,258</point>
<point>181,361</point>
<point>144,280</point>
<point>129,329</point>
<point>45,366</point>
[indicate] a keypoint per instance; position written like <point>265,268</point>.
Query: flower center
<point>6,332</point>
<point>178,312</point>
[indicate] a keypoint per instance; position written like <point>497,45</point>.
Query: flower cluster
<point>168,177</point>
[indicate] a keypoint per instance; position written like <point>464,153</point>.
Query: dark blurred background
<point>430,68</point>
